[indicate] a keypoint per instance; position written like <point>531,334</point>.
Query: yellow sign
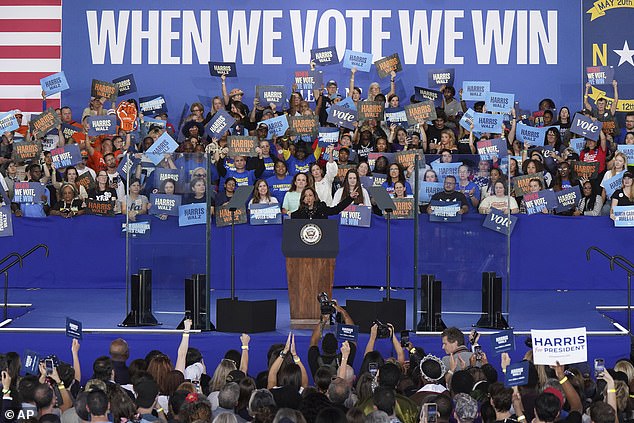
<point>621,106</point>
<point>601,6</point>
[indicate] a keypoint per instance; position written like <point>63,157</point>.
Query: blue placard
<point>536,202</point>
<point>586,127</point>
<point>475,90</point>
<point>265,214</point>
<point>166,204</point>
<point>54,84</point>
<point>73,328</point>
<point>488,123</point>
<point>139,229</point>
<point>347,332</point>
<point>126,163</point>
<point>445,169</point>
<point>530,135</point>
<point>219,124</point>
<point>68,155</point>
<point>227,69</point>
<point>568,198</point>
<point>192,214</point>
<point>342,117</point>
<point>499,221</point>
<point>30,363</point>
<point>356,215</point>
<point>271,94</point>
<point>6,222</point>
<point>600,75</point>
<point>578,144</point>
<point>28,192</point>
<point>628,150</point>
<point>328,136</point>
<point>503,341</point>
<point>347,103</point>
<point>395,115</point>
<point>612,184</point>
<point>8,122</point>
<point>499,102</point>
<point>324,56</point>
<point>422,94</point>
<point>277,126</point>
<point>516,374</point>
<point>493,148</point>
<point>467,119</point>
<point>445,211</point>
<point>427,189</point>
<point>163,145</point>
<point>126,84</point>
<point>439,77</point>
<point>102,125</point>
<point>308,80</point>
<point>357,59</point>
<point>153,104</point>
<point>623,216</point>
<point>177,175</point>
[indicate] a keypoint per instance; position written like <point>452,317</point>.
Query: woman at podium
<point>310,207</point>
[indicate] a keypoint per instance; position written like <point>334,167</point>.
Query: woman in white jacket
<point>323,182</point>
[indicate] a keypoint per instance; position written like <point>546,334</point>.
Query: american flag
<point>30,49</point>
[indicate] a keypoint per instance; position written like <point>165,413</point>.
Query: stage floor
<point>41,326</point>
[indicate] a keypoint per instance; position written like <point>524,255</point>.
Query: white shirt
<point>324,187</point>
<point>366,197</point>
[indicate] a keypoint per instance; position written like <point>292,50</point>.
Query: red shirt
<point>596,155</point>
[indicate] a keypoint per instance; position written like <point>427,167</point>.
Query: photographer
<point>328,357</point>
<point>383,330</point>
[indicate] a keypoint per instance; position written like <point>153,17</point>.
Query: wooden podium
<point>310,247</point>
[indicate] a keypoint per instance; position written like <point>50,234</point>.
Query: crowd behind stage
<point>301,172</point>
<point>331,382</point>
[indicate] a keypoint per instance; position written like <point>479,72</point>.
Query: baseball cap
<point>628,174</point>
<point>331,82</point>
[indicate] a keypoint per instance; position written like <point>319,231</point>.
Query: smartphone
<point>48,363</point>
<point>404,338</point>
<point>373,368</point>
<point>429,413</point>
<point>477,351</point>
<point>599,366</point>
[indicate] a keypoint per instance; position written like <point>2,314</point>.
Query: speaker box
<point>365,312</point>
<point>431,305</point>
<point>140,301</point>
<point>196,302</point>
<point>245,316</point>
<point>491,316</point>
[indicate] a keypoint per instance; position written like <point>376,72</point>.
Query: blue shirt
<point>279,187</point>
<point>465,190</point>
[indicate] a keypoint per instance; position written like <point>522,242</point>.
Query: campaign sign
<point>467,119</point>
<point>521,183</point>
<point>420,112</point>
<point>503,341</point>
<point>153,104</point>
<point>395,115</point>
<point>439,77</point>
<point>167,204</point>
<point>277,126</point>
<point>54,84</point>
<point>30,363</point>
<point>475,90</point>
<point>125,84</point>
<point>427,189</point>
<point>163,145</point>
<point>568,198</point>
<point>219,124</point>
<point>102,125</point>
<point>612,184</point>
<point>445,211</point>
<point>372,157</point>
<point>136,229</point>
<point>308,80</point>
<point>585,170</point>
<point>516,374</point>
<point>445,169</point>
<point>73,328</point>
<point>8,122</point>
<point>370,181</point>
<point>69,155</point>
<point>104,89</point>
<point>223,216</point>
<point>536,202</point>
<point>347,103</point>
<point>265,214</point>
<point>357,59</point>
<point>304,125</point>
<point>192,214</point>
<point>6,222</point>
<point>242,146</point>
<point>147,123</point>
<point>271,94</point>
<point>26,150</point>
<point>490,149</point>
<point>586,127</point>
<point>566,346</point>
<point>578,144</point>
<point>404,208</point>
<point>407,158</point>
<point>422,94</point>
<point>488,123</point>
<point>100,208</point>
<point>499,221</point>
<point>86,180</point>
<point>623,216</point>
<point>328,136</point>
<point>600,75</point>
<point>69,130</point>
<point>356,215</point>
<point>530,135</point>
<point>28,192</point>
<point>340,116</point>
<point>347,332</point>
<point>44,123</point>
<point>324,56</point>
<point>371,110</point>
<point>499,102</point>
<point>385,66</point>
<point>227,69</point>
<point>126,162</point>
<point>628,150</point>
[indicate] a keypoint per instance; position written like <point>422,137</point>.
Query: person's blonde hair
<point>625,367</point>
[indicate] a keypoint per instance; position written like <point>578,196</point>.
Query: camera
<point>382,330</point>
<point>326,305</point>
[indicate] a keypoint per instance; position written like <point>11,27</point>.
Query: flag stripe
<point>31,65</point>
<point>30,52</point>
<point>27,105</point>
<point>22,78</point>
<point>30,12</point>
<point>30,39</point>
<point>30,2</point>
<point>28,25</point>
<point>23,91</point>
